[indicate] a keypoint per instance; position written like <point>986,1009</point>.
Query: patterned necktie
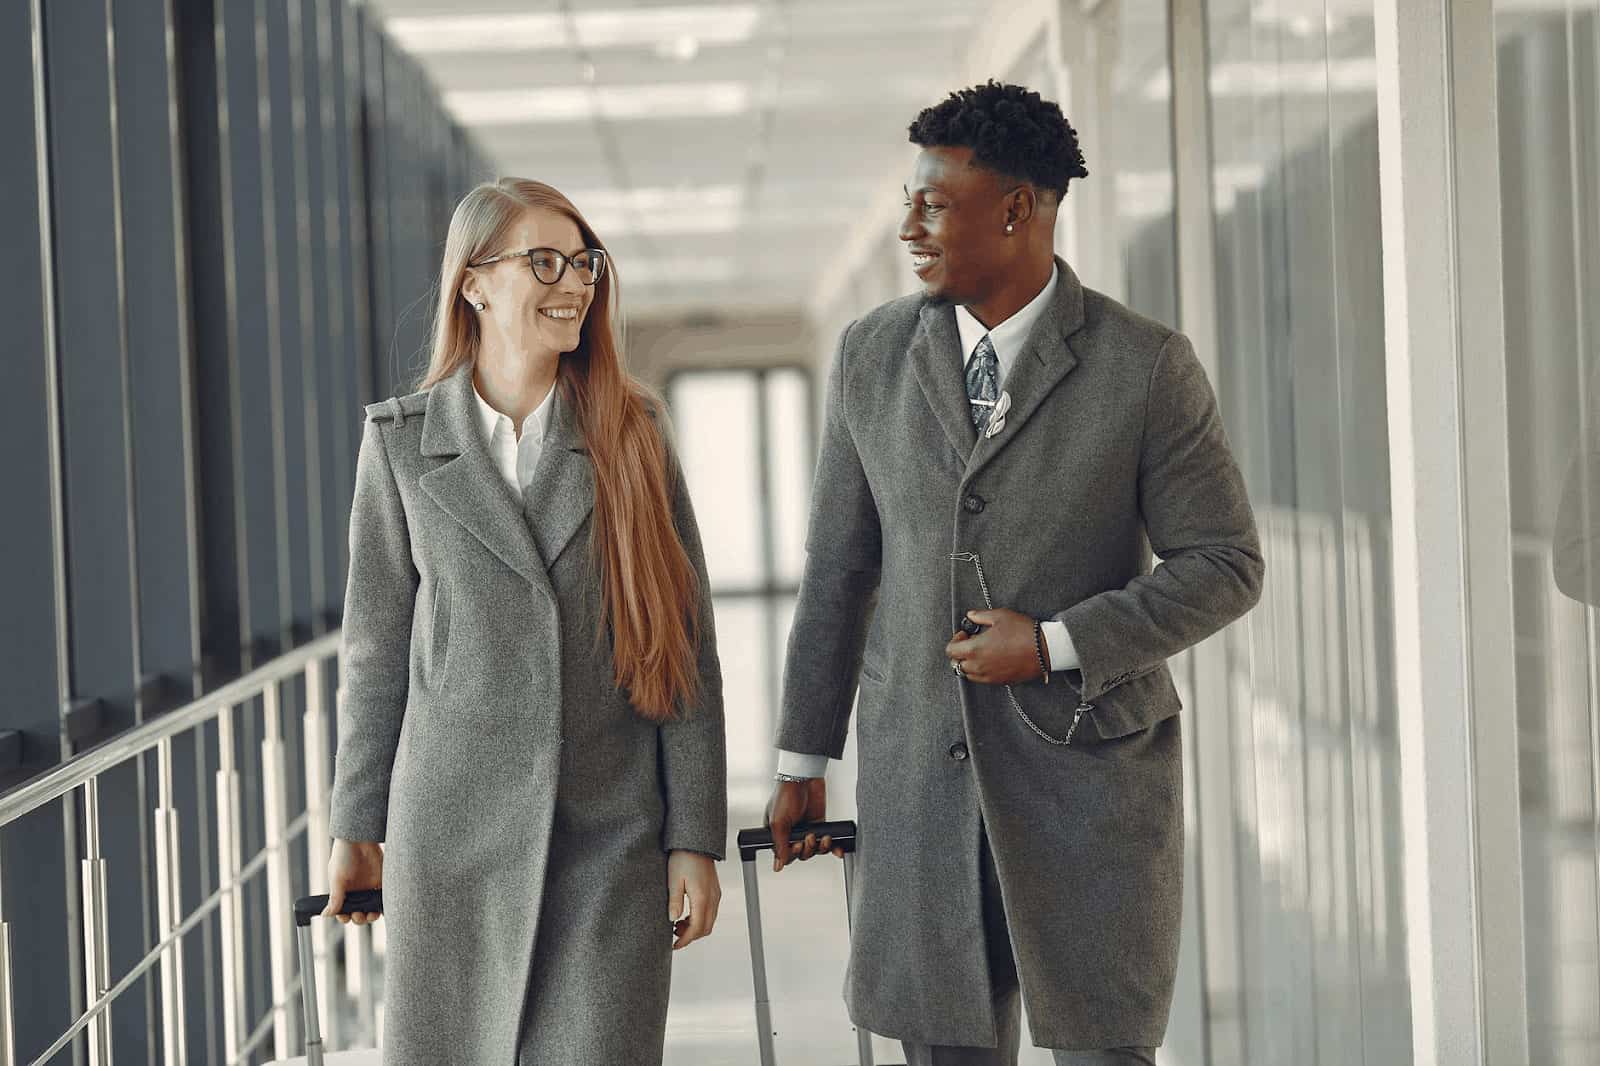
<point>983,382</point>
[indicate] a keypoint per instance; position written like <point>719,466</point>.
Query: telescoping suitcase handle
<point>754,841</point>
<point>368,901</point>
<point>751,843</point>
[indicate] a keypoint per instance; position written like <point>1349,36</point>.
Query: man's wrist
<point>794,765</point>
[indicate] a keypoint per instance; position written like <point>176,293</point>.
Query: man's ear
<point>1022,203</point>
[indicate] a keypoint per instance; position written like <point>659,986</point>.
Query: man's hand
<point>798,803</point>
<point>692,876</point>
<point>1003,654</point>
<point>353,865</point>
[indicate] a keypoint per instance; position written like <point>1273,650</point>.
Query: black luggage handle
<point>363,901</point>
<point>754,841</point>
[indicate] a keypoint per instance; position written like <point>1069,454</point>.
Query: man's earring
<point>1010,228</point>
<point>479,306</point>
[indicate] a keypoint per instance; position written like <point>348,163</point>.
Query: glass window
<point>745,441</point>
<point>1549,122</point>
<point>1308,964</point>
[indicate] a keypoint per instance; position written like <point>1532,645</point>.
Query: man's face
<point>954,226</point>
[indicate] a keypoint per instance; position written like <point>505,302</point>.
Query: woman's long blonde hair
<point>649,589</point>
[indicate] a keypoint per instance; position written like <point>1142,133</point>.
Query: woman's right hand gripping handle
<point>353,865</point>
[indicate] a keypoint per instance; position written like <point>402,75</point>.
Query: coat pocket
<point>439,635</point>
<point>1133,706</point>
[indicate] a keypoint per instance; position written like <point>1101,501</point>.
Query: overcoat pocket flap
<point>1136,704</point>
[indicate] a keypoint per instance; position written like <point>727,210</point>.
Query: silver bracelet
<point>794,779</point>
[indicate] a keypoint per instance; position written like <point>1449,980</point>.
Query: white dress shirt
<point>515,458</point>
<point>1008,338</point>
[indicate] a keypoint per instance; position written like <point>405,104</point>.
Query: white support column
<point>1210,740</point>
<point>1083,46</point>
<point>1444,336</point>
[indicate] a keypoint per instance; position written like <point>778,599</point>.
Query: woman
<point>532,717</point>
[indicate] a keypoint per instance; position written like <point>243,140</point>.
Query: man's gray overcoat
<point>526,808</point>
<point>1112,447</point>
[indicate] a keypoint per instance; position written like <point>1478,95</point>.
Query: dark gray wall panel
<point>89,328</point>
<point>252,382</point>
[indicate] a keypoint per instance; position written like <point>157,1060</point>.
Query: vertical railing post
<point>280,934</point>
<point>358,953</point>
<point>169,912</point>
<point>230,909</point>
<point>8,1018</point>
<point>96,941</point>
<point>315,733</point>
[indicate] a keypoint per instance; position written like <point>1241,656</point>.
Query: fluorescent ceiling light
<point>490,107</point>
<point>662,210</point>
<point>668,27</point>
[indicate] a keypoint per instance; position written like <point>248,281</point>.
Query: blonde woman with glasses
<point>532,724</point>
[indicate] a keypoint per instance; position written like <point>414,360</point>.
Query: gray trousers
<point>1008,1001</point>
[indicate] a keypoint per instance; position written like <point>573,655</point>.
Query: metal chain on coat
<point>1077,715</point>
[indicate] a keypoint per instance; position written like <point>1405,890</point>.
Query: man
<point>1005,449</point>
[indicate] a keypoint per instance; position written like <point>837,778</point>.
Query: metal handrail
<point>82,773</point>
<point>56,782</point>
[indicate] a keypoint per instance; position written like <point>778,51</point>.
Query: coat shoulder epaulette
<point>397,409</point>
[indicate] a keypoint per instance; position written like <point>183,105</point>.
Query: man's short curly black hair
<point>1010,129</point>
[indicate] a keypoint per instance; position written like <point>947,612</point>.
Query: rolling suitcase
<point>305,909</point>
<point>751,843</point>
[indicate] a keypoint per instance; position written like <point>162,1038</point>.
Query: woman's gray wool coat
<point>526,808</point>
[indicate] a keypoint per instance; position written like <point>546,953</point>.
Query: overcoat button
<point>973,504</point>
<point>958,751</point>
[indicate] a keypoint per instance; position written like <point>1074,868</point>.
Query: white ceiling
<point>722,150</point>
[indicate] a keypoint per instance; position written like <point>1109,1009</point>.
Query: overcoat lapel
<point>469,488</point>
<point>562,489</point>
<point>935,355</point>
<point>1045,359</point>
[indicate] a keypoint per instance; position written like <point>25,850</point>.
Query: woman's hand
<point>692,875</point>
<point>353,865</point>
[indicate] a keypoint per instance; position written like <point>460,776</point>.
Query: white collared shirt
<point>515,458</point>
<point>1008,338</point>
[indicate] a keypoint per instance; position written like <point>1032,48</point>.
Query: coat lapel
<point>1045,359</point>
<point>469,488</point>
<point>935,355</point>
<point>562,489</point>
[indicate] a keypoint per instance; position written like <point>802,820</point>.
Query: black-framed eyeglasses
<point>549,265</point>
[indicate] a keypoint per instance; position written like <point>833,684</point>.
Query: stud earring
<point>479,306</point>
<point>1010,228</point>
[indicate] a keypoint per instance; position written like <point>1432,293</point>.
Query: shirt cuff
<point>1063,656</point>
<point>797,765</point>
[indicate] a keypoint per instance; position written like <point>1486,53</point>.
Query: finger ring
<point>955,664</point>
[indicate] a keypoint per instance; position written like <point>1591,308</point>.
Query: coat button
<point>973,504</point>
<point>958,751</point>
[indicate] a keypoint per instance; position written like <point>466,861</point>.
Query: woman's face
<point>527,312</point>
